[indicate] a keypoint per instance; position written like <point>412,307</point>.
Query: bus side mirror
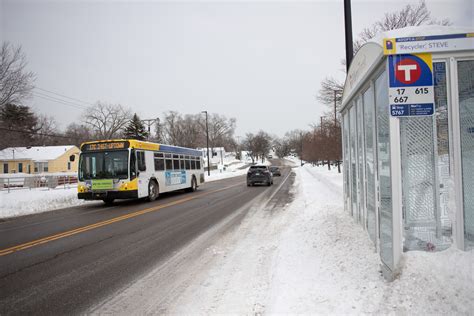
<point>72,158</point>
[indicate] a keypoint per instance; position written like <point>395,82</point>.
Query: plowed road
<point>65,261</point>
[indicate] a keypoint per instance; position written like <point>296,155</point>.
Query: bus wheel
<point>108,201</point>
<point>152,191</point>
<point>193,186</point>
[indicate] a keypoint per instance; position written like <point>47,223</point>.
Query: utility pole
<point>207,144</point>
<point>348,31</point>
<point>149,122</point>
<point>301,148</point>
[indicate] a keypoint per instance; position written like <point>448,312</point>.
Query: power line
<point>64,102</point>
<point>37,133</point>
<point>64,96</point>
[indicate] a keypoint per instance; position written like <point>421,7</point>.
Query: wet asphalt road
<point>81,255</point>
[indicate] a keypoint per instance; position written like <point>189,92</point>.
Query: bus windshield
<point>104,165</point>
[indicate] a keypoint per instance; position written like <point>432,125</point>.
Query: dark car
<point>275,171</point>
<point>259,175</point>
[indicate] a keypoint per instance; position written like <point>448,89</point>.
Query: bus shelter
<point>408,141</point>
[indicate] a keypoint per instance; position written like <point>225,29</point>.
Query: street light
<point>207,144</point>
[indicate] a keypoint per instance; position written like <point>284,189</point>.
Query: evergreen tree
<point>135,129</point>
<point>18,126</point>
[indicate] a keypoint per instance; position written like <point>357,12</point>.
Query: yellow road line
<point>7,251</point>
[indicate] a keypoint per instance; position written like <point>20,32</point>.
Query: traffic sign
<point>411,85</point>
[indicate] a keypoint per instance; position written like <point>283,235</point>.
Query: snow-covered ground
<point>313,258</point>
<point>23,201</point>
<point>307,257</point>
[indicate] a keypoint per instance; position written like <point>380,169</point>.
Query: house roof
<point>39,153</point>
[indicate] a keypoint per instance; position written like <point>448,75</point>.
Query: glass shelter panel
<point>426,173</point>
<point>466,114</point>
<point>369,111</point>
<point>360,159</point>
<point>384,170</point>
<point>418,181</point>
<point>353,141</point>
<point>443,157</point>
<point>346,165</point>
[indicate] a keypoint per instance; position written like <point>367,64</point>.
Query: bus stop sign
<point>411,85</point>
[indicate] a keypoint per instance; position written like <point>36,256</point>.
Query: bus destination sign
<point>105,146</point>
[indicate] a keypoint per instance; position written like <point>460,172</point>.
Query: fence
<point>32,182</point>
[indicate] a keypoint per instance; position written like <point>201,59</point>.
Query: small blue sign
<point>412,109</point>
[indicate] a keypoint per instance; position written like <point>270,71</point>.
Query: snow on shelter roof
<point>38,153</point>
<point>371,54</point>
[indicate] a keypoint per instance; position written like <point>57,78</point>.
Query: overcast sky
<point>258,61</point>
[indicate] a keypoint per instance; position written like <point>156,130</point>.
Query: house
<point>217,155</point>
<point>40,159</point>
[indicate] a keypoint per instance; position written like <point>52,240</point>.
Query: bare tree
<point>107,120</point>
<point>15,82</point>
<point>47,125</point>
<point>257,145</point>
<point>249,144</point>
<point>78,134</point>
<point>282,147</point>
<point>221,130</point>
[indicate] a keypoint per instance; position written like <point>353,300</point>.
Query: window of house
<point>20,167</point>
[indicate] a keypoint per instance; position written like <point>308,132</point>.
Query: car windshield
<point>104,165</point>
<point>258,167</point>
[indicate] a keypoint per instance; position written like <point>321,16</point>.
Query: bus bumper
<point>116,195</point>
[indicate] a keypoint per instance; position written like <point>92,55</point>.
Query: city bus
<point>133,169</point>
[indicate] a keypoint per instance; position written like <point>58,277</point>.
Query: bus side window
<point>198,164</point>
<point>188,164</point>
<point>141,161</point>
<point>133,166</point>
<point>176,164</point>
<point>169,164</point>
<point>159,164</point>
<point>193,164</point>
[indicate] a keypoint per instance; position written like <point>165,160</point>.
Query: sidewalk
<point>311,257</point>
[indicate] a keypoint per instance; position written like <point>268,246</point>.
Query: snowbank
<point>23,202</point>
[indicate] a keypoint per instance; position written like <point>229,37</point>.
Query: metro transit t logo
<point>407,71</point>
<point>410,70</point>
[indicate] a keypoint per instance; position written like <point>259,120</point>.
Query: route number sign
<point>411,85</point>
